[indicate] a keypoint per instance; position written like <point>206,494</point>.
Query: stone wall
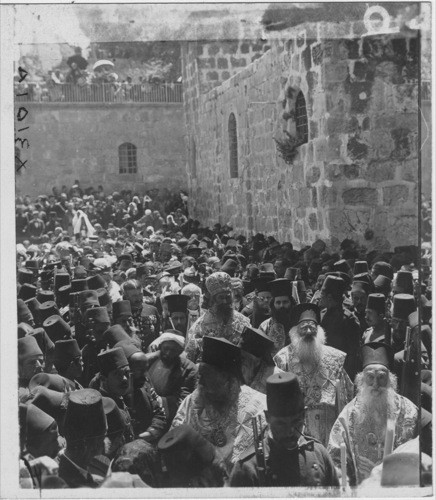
<point>71,141</point>
<point>356,174</point>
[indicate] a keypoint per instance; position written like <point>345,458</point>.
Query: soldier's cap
<point>403,282</point>
<point>45,296</point>
<point>51,381</point>
<point>401,469</point>
<point>25,276</point>
<point>128,347</point>
<point>45,343</point>
<point>121,308</point>
<point>292,273</point>
<point>27,291</point>
<point>60,280</point>
<point>27,347</point>
<point>360,266</point>
<point>376,302</point>
<point>24,329</point>
<point>66,351</point>
<point>361,286</point>
<point>98,315</point>
<point>261,284</point>
<point>377,353</point>
<point>283,395</point>
<point>255,342</point>
<point>305,311</point>
<point>77,285</point>
<point>230,266</point>
<point>37,421</point>
<point>103,297</point>
<point>177,303</point>
<point>54,403</point>
<point>222,354</point>
<point>46,310</point>
<point>88,298</point>
<point>110,360</point>
<point>95,282</point>
<point>85,417</point>
<point>56,328</point>
<point>382,284</point>
<point>404,305</point>
<point>23,311</point>
<point>184,438</point>
<point>364,277</point>
<point>280,288</point>
<point>115,421</point>
<point>384,269</point>
<point>342,266</point>
<point>333,285</point>
<point>114,334</point>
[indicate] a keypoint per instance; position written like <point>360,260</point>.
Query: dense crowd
<point>155,352</point>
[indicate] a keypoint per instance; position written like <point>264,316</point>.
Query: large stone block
<point>360,196</point>
<point>395,195</point>
<point>379,171</point>
<point>409,170</point>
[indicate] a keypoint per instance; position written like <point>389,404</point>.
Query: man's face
<point>215,384</point>
<point>31,365</point>
<point>377,377</point>
<point>284,430</point>
<point>170,351</point>
<point>399,327</point>
<point>359,299</point>
<point>194,301</point>
<point>224,298</point>
<point>126,322</point>
<point>263,300</point>
<point>118,381</point>
<point>319,282</point>
<point>282,303</point>
<point>307,329</point>
<point>180,321</point>
<point>96,328</point>
<point>279,268</point>
<point>134,297</point>
<point>139,366</point>
<point>76,367</point>
<point>372,317</point>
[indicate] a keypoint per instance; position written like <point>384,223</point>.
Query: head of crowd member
<point>282,301</point>
<point>238,293</point>
<point>319,282</point>
<point>96,321</point>
<point>194,293</point>
<point>375,310</point>
<point>132,291</point>
<point>178,311</point>
<point>376,385</point>
<point>170,345</point>
<point>280,266</point>
<point>116,425</point>
<point>263,294</point>
<point>306,334</point>
<point>41,433</point>
<point>87,299</point>
<point>30,359</point>
<point>68,359</point>
<point>84,426</point>
<point>383,269</point>
<point>256,348</point>
<point>285,410</point>
<point>54,403</point>
<point>23,313</point>
<point>332,292</point>
<point>122,315</point>
<point>219,373</point>
<point>219,287</point>
<point>403,305</point>
<point>359,295</point>
<point>403,283</point>
<point>114,372</point>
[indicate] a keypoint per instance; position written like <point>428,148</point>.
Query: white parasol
<point>102,62</point>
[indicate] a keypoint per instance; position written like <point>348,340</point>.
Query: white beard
<point>378,407</point>
<point>309,352</point>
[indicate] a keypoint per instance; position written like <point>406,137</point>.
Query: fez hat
<point>37,421</point>
<point>103,297</point>
<point>45,296</point>
<point>128,347</point>
<point>360,266</point>
<point>364,277</point>
<point>25,276</point>
<point>261,284</point>
<point>267,267</point>
<point>24,329</point>
<point>45,276</point>
<point>95,282</point>
<point>333,285</point>
<point>27,291</point>
<point>401,469</point>
<point>281,287</point>
<point>43,340</point>
<point>56,328</point>
<point>340,274</point>
<point>61,279</point>
<point>184,438</point>
<point>304,311</point>
<point>121,308</point>
<point>218,282</point>
<point>46,310</point>
<point>403,282</point>
<point>115,420</point>
<point>362,286</point>
<point>54,403</point>
<point>404,304</point>
<point>51,381</point>
<point>63,295</point>
<point>376,302</point>
<point>97,314</point>
<point>33,305</point>
<point>384,269</point>
<point>87,299</point>
<point>23,312</point>
<point>255,342</point>
<point>383,284</point>
<point>111,360</point>
<point>292,273</point>
<point>114,334</point>
<point>222,354</point>
<point>28,346</point>
<point>177,303</point>
<point>301,286</point>
<point>77,285</point>
<point>230,266</point>
<point>66,350</point>
<point>342,266</point>
<point>283,395</point>
<point>377,353</point>
<point>80,272</point>
<point>85,417</point>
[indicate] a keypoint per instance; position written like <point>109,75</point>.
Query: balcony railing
<point>99,92</point>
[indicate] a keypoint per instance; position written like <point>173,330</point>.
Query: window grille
<point>127,158</point>
<point>233,146</point>
<point>301,118</point>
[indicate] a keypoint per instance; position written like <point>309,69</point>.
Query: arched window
<point>233,146</point>
<point>127,158</point>
<point>301,118</point>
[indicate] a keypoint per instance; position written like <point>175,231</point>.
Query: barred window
<point>127,158</point>
<point>233,146</point>
<point>301,118</point>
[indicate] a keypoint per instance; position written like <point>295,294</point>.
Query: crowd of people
<point>156,352</point>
